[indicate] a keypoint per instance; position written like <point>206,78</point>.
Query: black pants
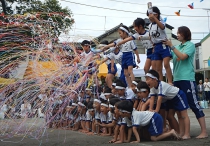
<point>207,93</point>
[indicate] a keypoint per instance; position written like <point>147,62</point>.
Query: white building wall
<point>205,47</point>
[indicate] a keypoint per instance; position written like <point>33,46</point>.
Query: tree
<point>47,10</point>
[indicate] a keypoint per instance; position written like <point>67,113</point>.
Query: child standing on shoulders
<point>143,36</point>
<point>162,53</point>
<point>128,58</point>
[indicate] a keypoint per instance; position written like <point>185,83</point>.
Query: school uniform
<point>128,58</point>
<point>147,44</point>
<point>174,98</point>
<point>89,118</point>
<point>97,115</point>
<point>87,57</point>
<point>127,122</point>
<point>157,36</point>
<point>118,59</point>
<point>108,63</point>
<point>152,120</point>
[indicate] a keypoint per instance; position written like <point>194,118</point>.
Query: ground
<point>71,138</point>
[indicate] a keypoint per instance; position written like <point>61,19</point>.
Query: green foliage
<point>47,7</point>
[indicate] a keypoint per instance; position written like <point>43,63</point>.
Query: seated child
<point>82,111</point>
<point>145,118</point>
<point>89,118</point>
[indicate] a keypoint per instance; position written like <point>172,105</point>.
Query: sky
<point>91,22</point>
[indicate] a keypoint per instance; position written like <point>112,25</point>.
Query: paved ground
<point>71,138</point>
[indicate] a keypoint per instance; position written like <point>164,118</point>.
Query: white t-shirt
<point>85,55</point>
<point>156,33</point>
<point>106,118</point>
<point>206,86</point>
<point>117,57</point>
<point>105,57</point>
<point>97,115</point>
<point>129,94</point>
<point>126,121</point>
<point>141,118</point>
<point>128,46</point>
<point>147,44</point>
<point>165,90</point>
<point>88,116</point>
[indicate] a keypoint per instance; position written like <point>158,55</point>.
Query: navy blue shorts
<point>190,90</point>
<point>128,59</point>
<point>178,103</point>
<point>162,106</point>
<point>109,69</point>
<point>161,51</point>
<point>150,54</point>
<point>155,126</point>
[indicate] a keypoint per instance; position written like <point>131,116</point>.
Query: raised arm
<point>161,25</point>
<point>124,41</point>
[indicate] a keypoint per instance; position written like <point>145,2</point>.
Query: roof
<point>108,32</point>
<point>147,21</point>
<point>174,36</point>
<point>206,37</point>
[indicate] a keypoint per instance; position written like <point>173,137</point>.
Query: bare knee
<point>166,65</point>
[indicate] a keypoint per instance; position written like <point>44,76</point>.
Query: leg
<point>147,65</point>
<point>166,61</point>
<point>158,68</point>
<point>109,78</point>
<point>165,135</point>
<point>162,113</point>
<point>128,79</point>
<point>186,124</point>
<point>172,120</point>
<point>130,72</point>
<point>189,88</point>
<point>203,133</point>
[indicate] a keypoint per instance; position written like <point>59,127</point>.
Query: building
<point>112,35</point>
<point>202,57</point>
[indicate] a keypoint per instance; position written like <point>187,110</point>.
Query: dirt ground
<point>72,138</point>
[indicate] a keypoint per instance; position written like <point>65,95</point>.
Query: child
<point>128,59</point>
<point>106,118</point>
<point>108,93</point>
<point>96,106</point>
<point>143,92</point>
<point>112,69</point>
<point>123,92</point>
<point>175,100</point>
<point>133,87</point>
<point>89,118</point>
<point>82,111</point>
<point>162,53</point>
<point>113,89</point>
<point>143,36</point>
<point>145,118</point>
<point>117,56</point>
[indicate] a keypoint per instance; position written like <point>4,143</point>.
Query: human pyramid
<point>128,105</point>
